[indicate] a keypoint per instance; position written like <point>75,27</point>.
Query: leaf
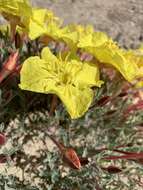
<point>131,156</point>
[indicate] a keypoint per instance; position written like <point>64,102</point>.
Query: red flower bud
<point>12,61</point>
<point>9,66</point>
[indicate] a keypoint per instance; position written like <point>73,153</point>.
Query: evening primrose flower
<point>88,38</point>
<point>42,22</point>
<point>79,36</point>
<point>136,56</point>
<point>102,48</point>
<point>69,79</point>
<point>110,54</point>
<point>33,21</point>
<point>16,12</point>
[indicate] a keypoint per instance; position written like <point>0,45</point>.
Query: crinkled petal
<point>33,74</point>
<point>76,101</point>
<point>14,7</point>
<point>35,30</point>
<point>67,35</point>
<point>88,76</point>
<point>19,8</point>
<point>135,57</point>
<point>43,22</point>
<point>116,58</point>
<point>92,40</point>
<point>47,55</point>
<point>37,26</point>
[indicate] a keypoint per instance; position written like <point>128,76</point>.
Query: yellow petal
<point>88,75</point>
<point>37,23</point>
<point>135,57</point>
<point>33,74</point>
<point>116,58</point>
<point>92,40</point>
<point>35,30</point>
<point>76,101</point>
<point>20,8</point>
<point>47,55</point>
<point>67,34</point>
<point>42,22</point>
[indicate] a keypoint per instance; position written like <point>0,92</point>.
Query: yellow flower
<point>102,48</point>
<point>136,57</point>
<point>66,34</point>
<point>42,22</point>
<point>88,38</point>
<point>79,36</point>
<point>16,11</point>
<point>69,79</point>
<point>33,21</point>
<point>110,54</point>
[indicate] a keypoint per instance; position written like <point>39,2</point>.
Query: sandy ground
<point>121,19</point>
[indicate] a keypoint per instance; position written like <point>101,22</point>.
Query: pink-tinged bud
<point>72,159</point>
<point>9,66</point>
<point>12,61</point>
<point>2,139</point>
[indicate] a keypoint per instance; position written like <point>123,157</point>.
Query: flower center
<point>65,78</point>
